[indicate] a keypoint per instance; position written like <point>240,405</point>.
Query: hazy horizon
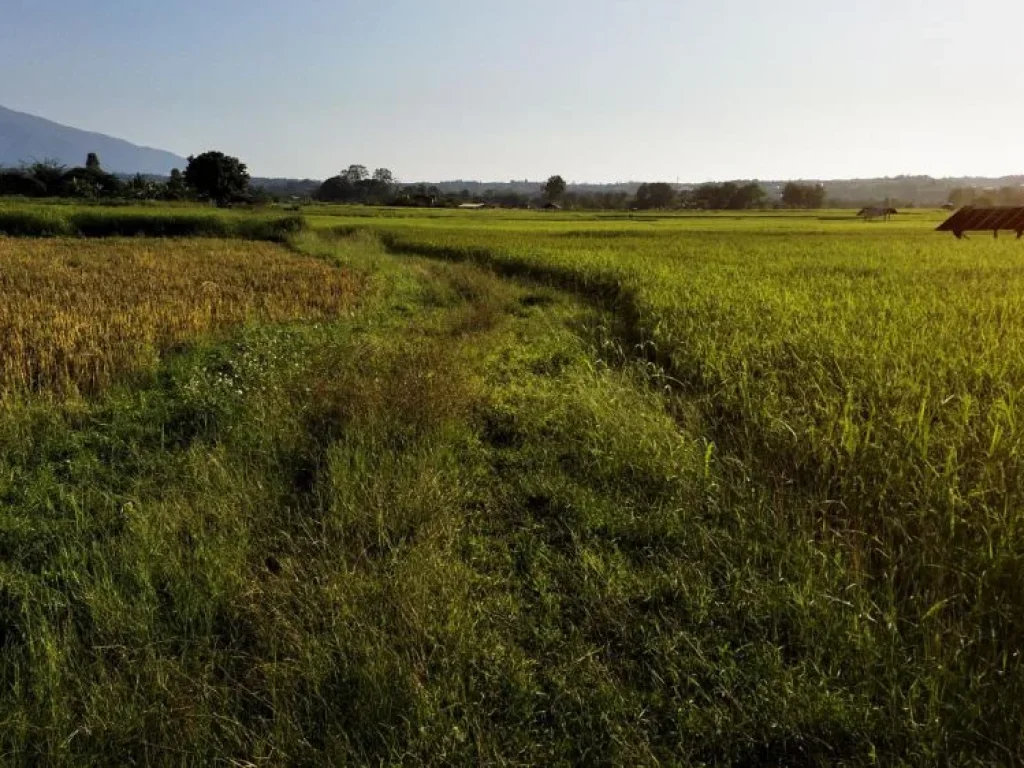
<point>597,92</point>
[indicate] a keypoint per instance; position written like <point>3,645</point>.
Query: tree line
<point>986,197</point>
<point>723,196</point>
<point>211,176</point>
<point>356,185</point>
<point>222,179</point>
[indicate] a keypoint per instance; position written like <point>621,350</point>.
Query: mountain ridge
<point>28,138</point>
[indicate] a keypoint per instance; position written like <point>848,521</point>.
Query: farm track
<point>629,344</point>
<point>607,296</point>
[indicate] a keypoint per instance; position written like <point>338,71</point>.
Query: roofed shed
<point>978,219</point>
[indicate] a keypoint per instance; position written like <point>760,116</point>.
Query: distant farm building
<point>472,206</point>
<point>552,207</point>
<point>985,219</point>
<point>870,214</point>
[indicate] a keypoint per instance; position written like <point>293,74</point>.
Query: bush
<point>21,184</point>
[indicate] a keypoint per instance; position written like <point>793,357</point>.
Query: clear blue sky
<point>597,90</point>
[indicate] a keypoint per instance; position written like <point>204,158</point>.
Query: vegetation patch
<point>78,314</point>
<point>33,220</point>
<point>695,493</point>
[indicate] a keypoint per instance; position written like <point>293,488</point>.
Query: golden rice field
<point>77,313</point>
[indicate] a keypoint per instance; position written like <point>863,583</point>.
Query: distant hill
<point>26,138</point>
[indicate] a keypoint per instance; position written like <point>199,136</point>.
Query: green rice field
<point>510,488</point>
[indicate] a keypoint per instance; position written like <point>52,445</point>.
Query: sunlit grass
<point>697,490</point>
<point>868,379</point>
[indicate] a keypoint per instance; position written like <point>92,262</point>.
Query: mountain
<point>26,138</point>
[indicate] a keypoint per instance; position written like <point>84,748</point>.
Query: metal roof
<point>976,219</point>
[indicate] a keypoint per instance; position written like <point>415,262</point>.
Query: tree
<point>377,190</point>
<point>337,189</point>
<point>554,188</point>
<point>1009,196</point>
<point>141,188</point>
<point>713,197</point>
<point>355,185</point>
<point>795,195</point>
<point>176,188</point>
<point>50,174</point>
<point>218,177</point>
<point>655,195</point>
<point>21,183</point>
<point>90,181</point>
<point>750,195</point>
<point>83,182</point>
<point>728,196</point>
<point>356,174</point>
<point>961,196</point>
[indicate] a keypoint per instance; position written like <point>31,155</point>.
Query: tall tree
<point>218,177</point>
<point>92,162</point>
<point>355,174</point>
<point>554,188</point>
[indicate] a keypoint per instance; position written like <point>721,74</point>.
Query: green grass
<point>866,378</point>
<point>20,219</point>
<point>672,490</point>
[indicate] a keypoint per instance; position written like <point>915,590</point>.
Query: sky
<point>594,90</point>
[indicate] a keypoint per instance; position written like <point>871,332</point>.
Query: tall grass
<point>447,530</point>
<point>32,220</point>
<point>868,380</point>
<point>682,492</point>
